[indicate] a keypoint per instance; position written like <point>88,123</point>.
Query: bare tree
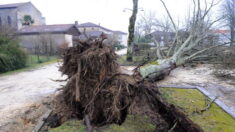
<point>228,8</point>
<point>131,30</point>
<point>147,22</point>
<point>44,45</point>
<point>185,40</point>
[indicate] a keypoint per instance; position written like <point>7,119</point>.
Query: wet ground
<point>26,90</point>
<point>20,91</point>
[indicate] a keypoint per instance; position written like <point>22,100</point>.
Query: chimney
<point>76,23</point>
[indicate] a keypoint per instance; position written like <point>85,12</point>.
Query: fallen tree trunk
<point>99,91</point>
<point>157,70</point>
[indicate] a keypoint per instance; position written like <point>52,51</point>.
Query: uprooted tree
<point>195,34</point>
<point>99,92</point>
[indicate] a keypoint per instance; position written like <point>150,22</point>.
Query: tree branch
<point>168,13</point>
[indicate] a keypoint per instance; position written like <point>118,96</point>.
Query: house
<point>94,31</point>
<point>221,35</point>
<point>121,36</point>
<point>13,15</point>
<point>162,37</point>
<point>58,35</point>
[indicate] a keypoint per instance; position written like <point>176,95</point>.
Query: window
<point>9,20</point>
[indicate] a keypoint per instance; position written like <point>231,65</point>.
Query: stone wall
<point>57,40</point>
<point>11,13</point>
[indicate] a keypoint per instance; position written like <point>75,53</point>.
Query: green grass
<point>190,100</point>
<point>136,60</point>
<point>32,63</point>
<point>133,123</point>
<point>70,126</point>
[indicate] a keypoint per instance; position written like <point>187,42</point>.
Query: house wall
<point>30,41</point>
<point>17,15</point>
<point>90,29</point>
<point>4,13</point>
<point>123,39</point>
<point>29,9</point>
<point>69,40</point>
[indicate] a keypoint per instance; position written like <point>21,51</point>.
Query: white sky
<point>108,13</point>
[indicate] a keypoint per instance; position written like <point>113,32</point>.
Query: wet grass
<point>191,100</point>
<point>133,123</point>
<point>136,60</point>
<point>32,63</point>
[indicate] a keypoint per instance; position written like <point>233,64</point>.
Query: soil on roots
<point>97,89</point>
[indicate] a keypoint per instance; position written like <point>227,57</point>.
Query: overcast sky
<point>107,13</point>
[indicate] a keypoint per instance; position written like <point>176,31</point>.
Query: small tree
<point>27,20</point>
<point>12,56</point>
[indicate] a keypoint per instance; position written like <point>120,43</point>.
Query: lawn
<point>191,100</point>
<point>32,62</point>
<point>133,123</point>
<point>136,60</point>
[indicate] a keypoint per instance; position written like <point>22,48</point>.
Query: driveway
<point>18,91</point>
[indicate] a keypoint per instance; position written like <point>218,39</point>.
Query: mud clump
<point>97,89</point>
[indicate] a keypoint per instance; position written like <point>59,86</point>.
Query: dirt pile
<point>98,90</point>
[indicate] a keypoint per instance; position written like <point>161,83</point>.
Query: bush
<point>12,57</point>
<point>118,46</point>
<point>144,46</point>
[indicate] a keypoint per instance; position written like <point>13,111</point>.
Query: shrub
<point>12,57</point>
<point>118,46</point>
<point>144,46</point>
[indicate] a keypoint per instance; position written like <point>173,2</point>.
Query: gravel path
<point>20,90</point>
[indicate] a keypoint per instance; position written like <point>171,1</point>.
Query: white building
<point>94,30</point>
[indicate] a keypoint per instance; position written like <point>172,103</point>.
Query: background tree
<point>28,20</point>
<point>147,23</point>
<point>228,8</point>
<point>131,30</point>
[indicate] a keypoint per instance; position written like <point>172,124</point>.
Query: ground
<point>21,91</point>
<point>25,93</point>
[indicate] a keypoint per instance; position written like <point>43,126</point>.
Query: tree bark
<point>157,70</point>
<point>131,30</point>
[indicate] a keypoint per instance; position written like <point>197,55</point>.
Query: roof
<point>15,5</point>
<point>60,28</point>
<point>93,34</point>
<point>119,32</point>
<point>220,31</point>
<point>89,24</point>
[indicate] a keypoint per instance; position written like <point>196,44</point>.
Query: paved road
<point>20,90</point>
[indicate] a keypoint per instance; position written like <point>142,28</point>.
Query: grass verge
<point>32,64</point>
<point>191,100</point>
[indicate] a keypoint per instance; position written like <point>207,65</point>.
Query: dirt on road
<point>25,91</point>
